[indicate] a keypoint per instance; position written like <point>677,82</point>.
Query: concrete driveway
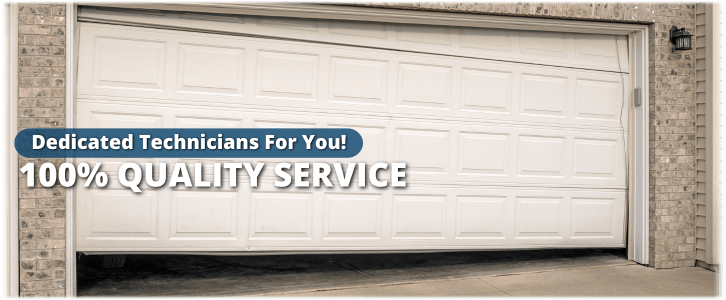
<point>564,272</point>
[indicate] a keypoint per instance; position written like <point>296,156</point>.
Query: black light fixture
<point>681,38</point>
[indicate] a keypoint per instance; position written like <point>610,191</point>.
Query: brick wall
<point>611,12</point>
<point>672,105</point>
<point>41,103</point>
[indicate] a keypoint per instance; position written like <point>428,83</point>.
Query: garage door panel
<point>116,217</point>
<point>500,154</point>
<point>353,216</point>
<point>543,96</point>
<point>481,217</point>
<point>593,217</point>
<point>582,50</point>
<point>486,91</point>
<point>424,151</point>
<point>553,44</point>
<point>287,75</point>
<point>419,217</point>
<point>426,86</point>
<point>540,218</point>
<point>326,78</point>
<point>129,64</point>
<point>454,153</point>
<point>210,69</point>
<point>414,218</point>
<point>281,216</point>
<point>204,215</point>
<point>358,80</point>
<point>483,154</point>
<point>541,156</point>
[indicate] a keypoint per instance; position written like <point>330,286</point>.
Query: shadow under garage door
<point>194,275</point>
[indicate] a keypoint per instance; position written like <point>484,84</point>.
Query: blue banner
<point>189,143</point>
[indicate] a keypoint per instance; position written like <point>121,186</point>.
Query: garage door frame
<point>638,43</point>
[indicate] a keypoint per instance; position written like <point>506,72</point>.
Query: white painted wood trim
<point>71,9</point>
<point>630,218</point>
<point>638,33</point>
<point>640,142</point>
<point>12,157</point>
<point>4,150</point>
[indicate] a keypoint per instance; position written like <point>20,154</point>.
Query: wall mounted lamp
<point>681,38</point>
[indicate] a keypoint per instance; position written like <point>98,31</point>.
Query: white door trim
<point>638,33</point>
<point>71,9</point>
<point>13,257</point>
<point>640,145</point>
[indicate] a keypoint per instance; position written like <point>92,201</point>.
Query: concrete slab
<point>633,280</point>
<point>448,288</point>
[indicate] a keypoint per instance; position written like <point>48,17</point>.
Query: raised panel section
<point>539,217</point>
<point>205,215</point>
<point>210,70</point>
<point>358,81</point>
<point>352,216</point>
<point>281,216</point>
<point>480,217</point>
<point>543,95</point>
<point>120,214</point>
<point>424,151</point>
<point>366,29</point>
<point>424,34</point>
<point>289,23</point>
<point>493,39</point>
<point>488,91</point>
<point>483,154</point>
<point>592,218</point>
<point>598,100</point>
<point>424,86</point>
<point>541,156</point>
<point>543,43</point>
<point>287,75</point>
<point>195,122</point>
<point>118,120</point>
<point>419,217</point>
<point>596,47</point>
<point>129,64</point>
<point>594,158</point>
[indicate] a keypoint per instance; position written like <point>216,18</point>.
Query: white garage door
<point>513,139</point>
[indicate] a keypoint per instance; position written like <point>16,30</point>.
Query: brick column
<point>672,141</point>
<point>41,103</point>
